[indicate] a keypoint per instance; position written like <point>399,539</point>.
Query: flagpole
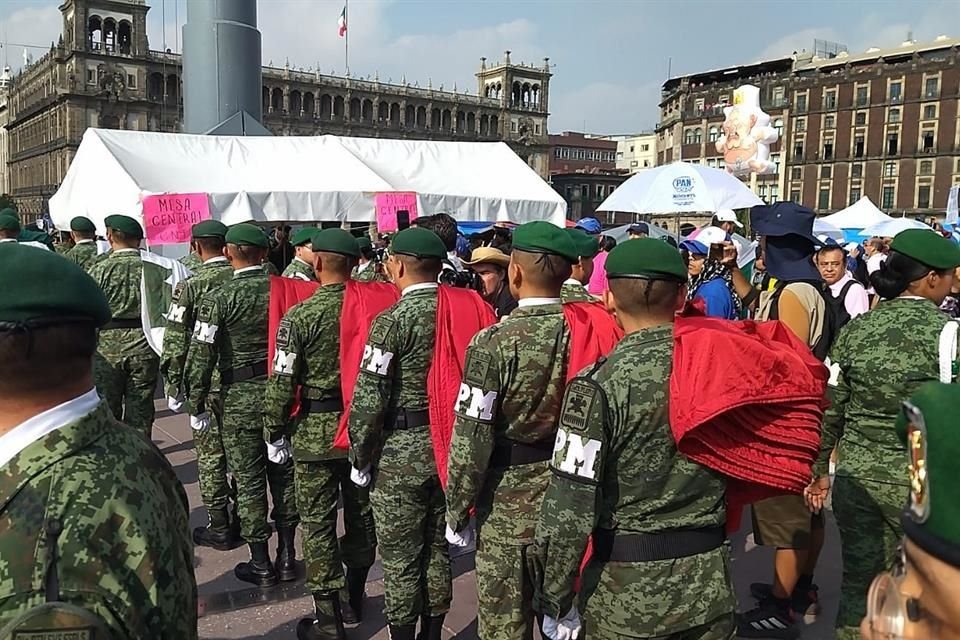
<point>346,36</point>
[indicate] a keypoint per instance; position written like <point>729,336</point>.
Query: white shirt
<point>42,424</point>
<point>423,286</point>
<point>245,269</point>
<point>119,251</point>
<point>856,301</point>
<point>537,302</point>
<point>874,262</point>
<point>85,241</point>
<point>217,259</point>
<point>361,268</point>
<point>574,283</point>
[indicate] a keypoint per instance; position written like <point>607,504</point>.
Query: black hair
<point>26,353</point>
<point>607,243</point>
<point>210,245</point>
<point>421,267</point>
<point>638,296</point>
<point>85,235</point>
<point>543,270</point>
<point>897,272</point>
<point>444,226</point>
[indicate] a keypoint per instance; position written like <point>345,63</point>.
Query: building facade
<point>572,152</point>
<point>102,73</point>
<point>883,124</point>
<point>4,117</point>
<point>636,152</point>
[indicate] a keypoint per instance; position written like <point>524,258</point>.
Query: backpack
<point>835,314</point>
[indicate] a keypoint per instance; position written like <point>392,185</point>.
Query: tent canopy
<point>300,179</point>
<point>860,215</point>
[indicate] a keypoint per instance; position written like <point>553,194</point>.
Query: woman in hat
<point>491,265</point>
<point>710,279</point>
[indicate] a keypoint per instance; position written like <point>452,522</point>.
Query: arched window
<point>494,125</point>
<point>155,86</point>
<point>296,102</point>
<point>471,122</point>
<point>445,121</point>
<point>355,109</point>
<point>410,116</point>
<point>421,117</point>
<point>484,125</point>
<point>276,100</point>
<point>688,136</point>
<point>123,37</point>
<point>110,35</point>
<point>173,88</point>
<point>395,114</point>
<point>435,119</point>
<point>326,106</point>
<point>698,135</point>
<point>95,33</point>
<point>265,99</point>
<point>383,112</point>
<point>309,105</point>
<point>714,133</point>
<point>461,121</point>
<point>367,111</point>
<point>339,108</point>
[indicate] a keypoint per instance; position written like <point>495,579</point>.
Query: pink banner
<point>388,206</point>
<point>168,218</point>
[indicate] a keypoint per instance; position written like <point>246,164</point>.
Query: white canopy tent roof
<point>860,215</point>
<point>300,179</point>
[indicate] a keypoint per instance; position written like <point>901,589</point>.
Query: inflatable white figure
<point>747,134</point>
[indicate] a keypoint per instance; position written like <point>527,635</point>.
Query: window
<point>923,196</point>
<point>930,112</point>
<point>893,141</point>
<point>931,87</point>
<point>91,76</point>
<point>927,140</point>
<point>634,163</point>
<point>631,148</point>
<point>778,125</point>
<point>698,106</point>
<point>828,150</point>
<point>896,91</point>
<point>688,136</point>
<point>802,103</point>
<point>886,199</point>
<point>856,170</point>
<point>829,122</point>
<point>714,134</point>
<point>893,115</point>
<point>556,152</point>
<point>774,192</point>
<point>778,96</point>
<point>796,173</point>
<point>775,159</point>
<point>825,171</point>
<point>889,169</point>
<point>823,201</point>
<point>798,150</point>
<point>536,128</point>
<point>926,167</point>
<point>830,99</point>
<point>863,97</point>
<point>131,81</point>
<point>854,194</point>
<point>800,125</point>
<point>643,147</point>
<point>513,126</point>
<point>599,192</point>
<point>698,135</point>
<point>858,146</point>
<point>860,119</point>
<point>795,196</point>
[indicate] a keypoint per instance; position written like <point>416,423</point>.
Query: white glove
<point>462,539</point>
<point>278,452</point>
<point>175,404</point>
<point>566,628</point>
<point>200,423</point>
<point>360,477</point>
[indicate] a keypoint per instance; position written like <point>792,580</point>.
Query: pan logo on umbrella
<point>683,184</point>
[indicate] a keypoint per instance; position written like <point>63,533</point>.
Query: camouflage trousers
<point>246,452</point>
<point>868,516</point>
<point>720,629</point>
<point>215,489</point>
<point>505,574</point>
<point>127,377</point>
<point>410,514</point>
<point>319,486</point>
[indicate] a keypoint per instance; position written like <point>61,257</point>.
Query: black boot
<point>356,590</point>
<point>218,534</point>
<point>234,519</point>
<point>403,631</point>
<point>286,554</point>
<point>329,622</point>
<point>430,627</point>
<point>259,570</point>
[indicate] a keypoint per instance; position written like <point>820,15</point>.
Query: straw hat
<point>488,255</point>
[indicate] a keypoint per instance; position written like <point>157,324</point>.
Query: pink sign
<point>390,204</point>
<point>169,217</point>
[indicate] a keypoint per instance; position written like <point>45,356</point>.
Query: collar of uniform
<point>2,240</point>
<point>301,261</point>
<point>650,334</point>
<point>423,286</point>
<point>573,282</point>
<point>362,267</point>
<point>119,252</point>
<point>244,270</point>
<point>28,432</point>
<point>536,302</point>
<point>85,241</point>
<point>215,260</point>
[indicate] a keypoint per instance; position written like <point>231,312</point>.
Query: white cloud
<point>31,25</point>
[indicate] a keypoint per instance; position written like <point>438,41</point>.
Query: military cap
<point>72,294</point>
<point>927,247</point>
<point>125,225</point>
<point>543,237</point>
<point>419,243</point>
<point>209,229</point>
<point>82,224</point>
<point>365,243</point>
<point>335,241</point>
<point>9,211</point>
<point>587,245</point>
<point>927,425</point>
<point>247,234</point>
<point>646,258</point>
<point>9,222</point>
<point>303,236</point>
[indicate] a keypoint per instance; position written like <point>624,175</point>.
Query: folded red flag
<point>594,333</point>
<point>284,294</point>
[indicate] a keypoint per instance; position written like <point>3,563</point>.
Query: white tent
<point>860,215</point>
<point>300,179</point>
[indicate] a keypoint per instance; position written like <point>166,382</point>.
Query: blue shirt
<point>717,298</point>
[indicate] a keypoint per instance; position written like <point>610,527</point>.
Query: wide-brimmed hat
<point>783,219</point>
<point>488,255</point>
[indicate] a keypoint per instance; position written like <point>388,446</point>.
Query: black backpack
<point>835,314</point>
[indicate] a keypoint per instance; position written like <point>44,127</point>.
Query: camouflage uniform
<point>230,335</point>
<point>126,368</point>
<point>408,503</point>
<point>574,291</point>
<point>371,273</point>
<point>307,362</point>
<point>82,253</point>
<point>617,473</point>
<point>215,491</point>
<point>300,270</point>
<point>878,361</point>
<point>124,550</point>
<point>270,269</point>
<point>510,401</point>
<point>191,261</point>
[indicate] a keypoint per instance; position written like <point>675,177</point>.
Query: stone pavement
<point>241,612</point>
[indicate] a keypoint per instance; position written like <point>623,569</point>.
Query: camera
<point>461,279</point>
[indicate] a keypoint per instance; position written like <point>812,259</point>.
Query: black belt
<point>511,453</point>
<point>407,419</point>
<point>609,546</point>
<point>124,323</point>
<point>233,376</point>
<point>328,405</point>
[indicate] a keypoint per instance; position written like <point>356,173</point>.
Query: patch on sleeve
<point>178,290</point>
<point>475,403</point>
<point>477,367</point>
<point>578,405</point>
<point>376,361</point>
<point>283,333</point>
<point>380,329</point>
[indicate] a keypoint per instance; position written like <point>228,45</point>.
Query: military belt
<point>241,374</point>
<point>327,405</point>
<point>511,453</point>
<point>124,323</point>
<point>407,419</point>
<point>609,546</point>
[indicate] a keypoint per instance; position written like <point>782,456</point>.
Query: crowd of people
<point>445,390</point>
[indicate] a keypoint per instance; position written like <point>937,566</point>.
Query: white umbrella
<point>680,187</point>
<point>891,228</point>
<point>821,228</point>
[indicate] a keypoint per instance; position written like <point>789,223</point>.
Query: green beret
<point>69,293</point>
<point>543,237</point>
<point>932,516</point>
<point>588,246</point>
<point>82,224</point>
<point>303,236</point>
<point>209,229</point>
<point>335,241</point>
<point>9,211</point>
<point>419,243</point>
<point>646,258</point>
<point>365,243</point>
<point>125,225</point>
<point>927,247</point>
<point>9,222</point>
<point>247,234</point>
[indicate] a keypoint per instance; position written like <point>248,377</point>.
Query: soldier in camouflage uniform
<point>369,270</point>
<point>93,520</point>
<point>307,362</point>
<point>223,529</point>
<point>506,423</point>
<point>575,288</point>
<point>230,336</point>
<point>126,367</point>
<point>660,566</point>
<point>301,267</point>
<point>878,360</point>
<point>85,241</point>
<point>192,260</point>
<point>389,428</point>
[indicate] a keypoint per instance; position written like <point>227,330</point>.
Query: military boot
<point>356,590</point>
<point>430,627</point>
<point>259,570</point>
<point>403,631</point>
<point>328,624</point>
<point>218,534</point>
<point>286,554</point>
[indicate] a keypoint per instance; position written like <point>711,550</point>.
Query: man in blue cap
<point>590,225</point>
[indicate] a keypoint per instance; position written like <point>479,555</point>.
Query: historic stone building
<point>103,74</point>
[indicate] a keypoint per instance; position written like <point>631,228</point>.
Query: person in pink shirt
<point>598,281</point>
<point>832,263</point>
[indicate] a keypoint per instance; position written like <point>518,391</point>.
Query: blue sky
<point>610,56</point>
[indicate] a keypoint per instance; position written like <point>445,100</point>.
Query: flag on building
<point>342,22</point>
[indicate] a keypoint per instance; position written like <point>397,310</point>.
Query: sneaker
<point>767,621</point>
<point>804,604</point>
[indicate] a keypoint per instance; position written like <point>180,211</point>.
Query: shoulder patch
<point>178,290</point>
<point>578,404</point>
<point>283,333</point>
<point>476,368</point>
<point>205,310</point>
<point>380,329</point>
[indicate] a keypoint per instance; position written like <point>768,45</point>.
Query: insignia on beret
<point>476,368</point>
<point>919,506</point>
<point>577,404</point>
<point>283,333</point>
<point>380,329</point>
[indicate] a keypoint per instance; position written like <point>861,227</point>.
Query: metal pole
<point>346,36</point>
